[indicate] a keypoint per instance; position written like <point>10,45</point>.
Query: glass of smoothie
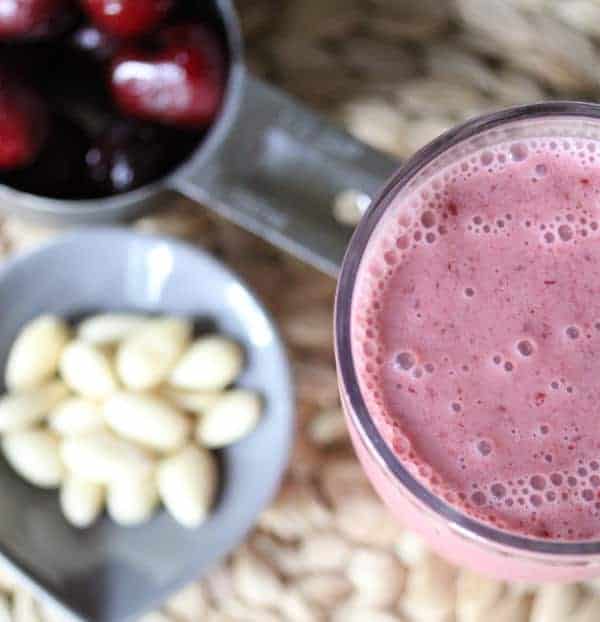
<point>468,343</point>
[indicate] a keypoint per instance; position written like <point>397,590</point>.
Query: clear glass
<point>453,534</point>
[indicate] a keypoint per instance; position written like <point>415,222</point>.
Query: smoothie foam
<point>476,335</point>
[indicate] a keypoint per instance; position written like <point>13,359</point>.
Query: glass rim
<point>358,412</point>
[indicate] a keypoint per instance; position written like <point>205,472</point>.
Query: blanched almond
<point>325,590</point>
<point>146,358</point>
<point>476,595</point>
<point>24,608</point>
<point>411,549</point>
<point>377,576</point>
<point>430,590</point>
<point>357,613</point>
<point>234,416</point>
<point>34,455</point>
<point>4,609</point>
<point>23,409</point>
<point>132,501</point>
<point>555,602</point>
<point>76,415</point>
<point>81,501</point>
<point>87,370</point>
<point>211,363</point>
<point>254,580</point>
<point>103,457</point>
<point>34,355</point>
<point>147,420</point>
<point>197,402</point>
<point>328,428</point>
<point>189,604</point>
<point>8,580</point>
<point>187,483</point>
<point>323,551</point>
<point>110,328</point>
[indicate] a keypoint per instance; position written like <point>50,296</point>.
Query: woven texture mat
<point>396,73</point>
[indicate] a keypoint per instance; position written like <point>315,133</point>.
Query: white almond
<point>8,580</point>
<point>323,551</point>
<point>293,607</point>
<point>187,484</point>
<point>377,576</point>
<point>555,602</point>
<point>146,358</point>
<point>110,328</point>
<point>147,420</point>
<point>34,455</point>
<point>23,409</point>
<point>476,595</point>
<point>189,604</point>
<point>132,501</point>
<point>211,363</point>
<point>87,370</point>
<point>588,611</point>
<point>76,415</point>
<point>25,608</point>
<point>4,609</point>
<point>234,416</point>
<point>514,608</point>
<point>197,402</point>
<point>103,457</point>
<point>411,549</point>
<point>254,580</point>
<point>81,501</point>
<point>430,590</point>
<point>34,355</point>
<point>325,590</point>
<point>328,428</point>
<point>358,613</point>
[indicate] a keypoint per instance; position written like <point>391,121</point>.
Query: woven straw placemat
<point>396,73</point>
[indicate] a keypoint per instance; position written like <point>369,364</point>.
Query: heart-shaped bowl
<point>112,573</point>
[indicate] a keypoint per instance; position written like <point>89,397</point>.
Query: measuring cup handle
<point>278,170</point>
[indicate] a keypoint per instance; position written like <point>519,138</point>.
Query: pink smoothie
<point>476,335</point>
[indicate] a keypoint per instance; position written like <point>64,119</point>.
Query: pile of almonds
<point>123,411</point>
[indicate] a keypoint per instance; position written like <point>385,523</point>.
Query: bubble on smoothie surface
<point>405,360</point>
<point>572,332</point>
<point>484,447</point>
<point>519,151</point>
<point>565,233</point>
<point>525,347</point>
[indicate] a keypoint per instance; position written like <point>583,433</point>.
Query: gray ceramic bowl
<point>110,573</point>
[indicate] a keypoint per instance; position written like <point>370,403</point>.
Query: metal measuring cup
<point>268,164</point>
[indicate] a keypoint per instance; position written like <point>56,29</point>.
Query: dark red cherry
<point>23,124</point>
<point>129,155</point>
<point>98,44</point>
<point>182,83</point>
<point>59,170</point>
<point>33,18</point>
<point>127,18</point>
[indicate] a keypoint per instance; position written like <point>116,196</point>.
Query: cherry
<point>180,84</point>
<point>59,170</point>
<point>32,18</point>
<point>98,44</point>
<point>22,124</point>
<point>127,18</point>
<point>128,155</point>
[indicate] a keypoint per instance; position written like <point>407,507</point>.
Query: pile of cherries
<point>99,97</point>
